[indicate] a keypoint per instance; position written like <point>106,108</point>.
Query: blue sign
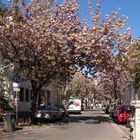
<point>16,78</point>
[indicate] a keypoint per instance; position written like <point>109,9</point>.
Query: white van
<point>74,105</point>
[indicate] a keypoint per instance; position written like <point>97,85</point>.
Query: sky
<point>130,8</point>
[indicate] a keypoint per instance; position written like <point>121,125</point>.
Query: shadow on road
<point>89,119</point>
<point>86,117</point>
<point>92,118</point>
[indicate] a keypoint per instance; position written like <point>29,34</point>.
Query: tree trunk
<point>115,89</point>
<point>35,93</point>
<point>33,107</point>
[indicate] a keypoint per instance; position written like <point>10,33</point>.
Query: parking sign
<point>16,78</point>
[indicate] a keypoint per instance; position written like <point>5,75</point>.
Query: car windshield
<point>117,107</point>
<point>47,107</point>
<point>41,107</point>
<point>59,106</point>
<point>125,108</point>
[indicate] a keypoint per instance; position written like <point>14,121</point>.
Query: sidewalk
<point>1,127</point>
<point>122,130</point>
<point>21,123</point>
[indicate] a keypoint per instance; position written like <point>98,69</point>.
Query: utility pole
<point>16,103</point>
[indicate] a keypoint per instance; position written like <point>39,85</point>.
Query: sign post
<point>16,79</point>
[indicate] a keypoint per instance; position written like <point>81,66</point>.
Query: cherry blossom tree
<point>105,44</point>
<point>5,70</point>
<point>102,39</point>
<point>113,82</point>
<point>112,86</point>
<point>80,85</point>
<point>40,38</point>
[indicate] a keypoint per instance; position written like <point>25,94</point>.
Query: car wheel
<point>54,119</point>
<point>116,120</point>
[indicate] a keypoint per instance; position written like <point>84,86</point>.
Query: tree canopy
<point>132,58</point>
<point>48,40</point>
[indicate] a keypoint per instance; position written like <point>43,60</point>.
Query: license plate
<point>71,107</point>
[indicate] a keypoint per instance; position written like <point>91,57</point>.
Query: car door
<point>57,112</point>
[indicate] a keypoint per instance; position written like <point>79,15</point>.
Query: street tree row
<point>49,41</point>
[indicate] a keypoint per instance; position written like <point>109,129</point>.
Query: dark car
<point>63,110</point>
<point>109,108</point>
<point>48,112</point>
<point>106,109</point>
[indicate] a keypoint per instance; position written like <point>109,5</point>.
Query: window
<point>31,95</point>
<point>139,94</point>
<point>21,94</point>
<point>125,107</point>
<point>48,96</point>
<point>27,95</point>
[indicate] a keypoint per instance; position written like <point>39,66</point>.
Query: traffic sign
<point>16,89</point>
<point>16,78</point>
<point>15,85</point>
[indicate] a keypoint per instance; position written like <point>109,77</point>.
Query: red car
<point>122,114</point>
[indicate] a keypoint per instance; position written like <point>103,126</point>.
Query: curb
<point>1,126</point>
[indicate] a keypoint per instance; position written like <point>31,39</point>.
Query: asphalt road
<point>90,125</point>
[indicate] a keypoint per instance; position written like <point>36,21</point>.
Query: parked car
<point>114,110</point>
<point>63,110</point>
<point>104,108</point>
<point>122,114</point>
<point>48,112</point>
<point>109,108</point>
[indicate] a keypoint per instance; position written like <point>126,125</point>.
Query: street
<point>90,125</point>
